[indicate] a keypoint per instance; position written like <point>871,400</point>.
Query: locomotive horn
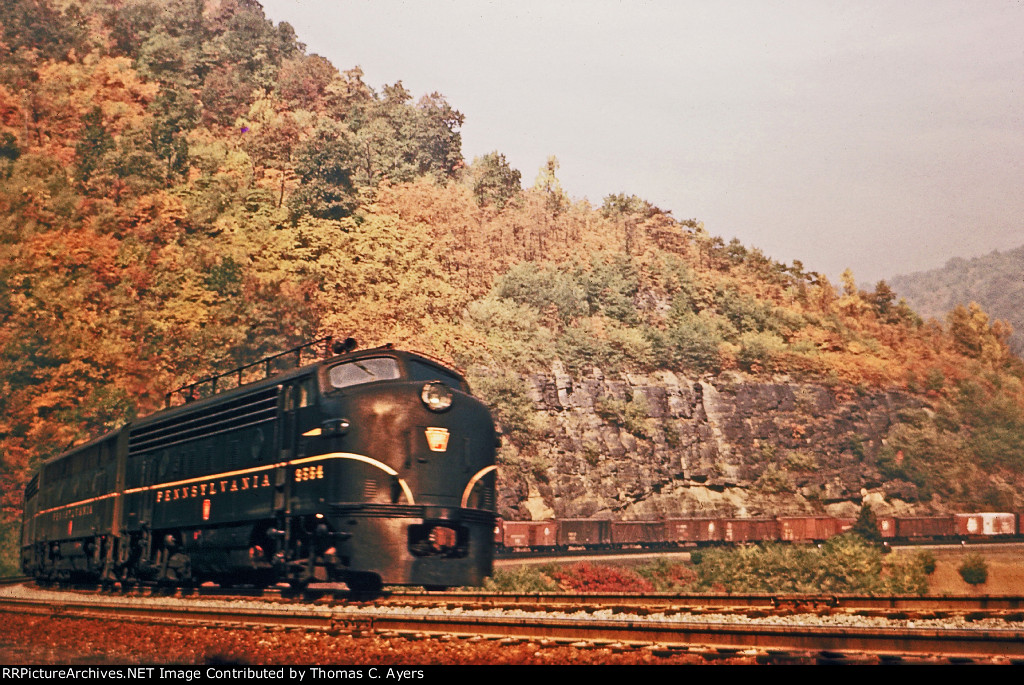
<point>343,346</point>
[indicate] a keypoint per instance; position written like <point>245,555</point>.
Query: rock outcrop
<point>663,445</point>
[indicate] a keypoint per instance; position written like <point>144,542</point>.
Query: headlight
<point>437,396</point>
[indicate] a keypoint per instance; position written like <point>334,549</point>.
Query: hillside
<point>995,281</point>
<point>184,189</point>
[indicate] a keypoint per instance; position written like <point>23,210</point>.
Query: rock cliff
<point>662,445</point>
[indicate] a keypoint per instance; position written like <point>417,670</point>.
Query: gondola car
<point>367,467</point>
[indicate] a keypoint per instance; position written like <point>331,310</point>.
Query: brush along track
<point>828,631</point>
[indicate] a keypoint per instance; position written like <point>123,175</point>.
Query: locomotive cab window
<point>421,371</point>
<point>304,389</point>
<point>364,371</point>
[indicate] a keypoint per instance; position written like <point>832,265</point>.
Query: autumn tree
<point>493,180</point>
<point>304,82</point>
<point>550,187</point>
<point>975,337</point>
<point>324,165</point>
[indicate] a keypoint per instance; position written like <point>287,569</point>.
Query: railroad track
<point>668,601</point>
<point>893,604</point>
<point>14,580</point>
<point>595,622</point>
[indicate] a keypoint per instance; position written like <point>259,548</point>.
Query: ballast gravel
<point>837,619</point>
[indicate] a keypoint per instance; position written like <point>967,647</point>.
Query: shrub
<point>591,453</point>
<point>632,415</point>
<point>587,577</point>
<point>801,461</point>
<point>692,342</point>
<point>974,569</point>
<point>845,563</point>
<point>672,437</point>
<point>612,286</point>
<point>667,576</point>
<point>520,580</point>
<point>867,525</point>
<point>926,560</point>
<point>904,575</point>
<point>542,286</point>
<point>774,480</point>
<point>934,380</point>
<point>848,563</point>
<point>516,337</point>
<point>761,350</point>
<point>508,396</point>
<point>605,343</point>
<point>745,312</point>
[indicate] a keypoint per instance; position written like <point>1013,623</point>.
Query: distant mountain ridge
<point>995,281</point>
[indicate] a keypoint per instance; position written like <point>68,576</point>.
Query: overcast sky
<point>882,136</point>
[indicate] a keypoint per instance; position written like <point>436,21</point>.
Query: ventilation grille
<point>32,488</point>
<point>241,412</point>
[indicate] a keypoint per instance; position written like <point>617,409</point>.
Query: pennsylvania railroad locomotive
<point>371,467</point>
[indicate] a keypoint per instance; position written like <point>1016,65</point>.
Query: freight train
<point>595,534</point>
<point>367,467</point>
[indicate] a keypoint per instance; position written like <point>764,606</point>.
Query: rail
<point>625,626</point>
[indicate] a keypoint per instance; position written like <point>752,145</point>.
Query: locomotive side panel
<point>71,515</point>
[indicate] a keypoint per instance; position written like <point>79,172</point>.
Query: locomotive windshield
<point>419,371</point>
<point>364,371</point>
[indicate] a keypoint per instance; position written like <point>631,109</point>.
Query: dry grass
<point>1005,570</point>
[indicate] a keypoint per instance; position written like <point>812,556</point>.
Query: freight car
<point>367,467</point>
<point>596,534</point>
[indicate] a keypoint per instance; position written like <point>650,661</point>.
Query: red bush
<point>587,577</point>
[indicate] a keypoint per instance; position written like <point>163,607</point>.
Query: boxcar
<point>807,528</point>
<point>532,534</point>
<point>985,524</point>
<point>693,530</point>
<point>584,532</point>
<point>644,533</point>
<point>750,530</point>
<point>887,526</point>
<point>924,527</point>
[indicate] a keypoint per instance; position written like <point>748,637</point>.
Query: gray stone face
<point>662,445</point>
